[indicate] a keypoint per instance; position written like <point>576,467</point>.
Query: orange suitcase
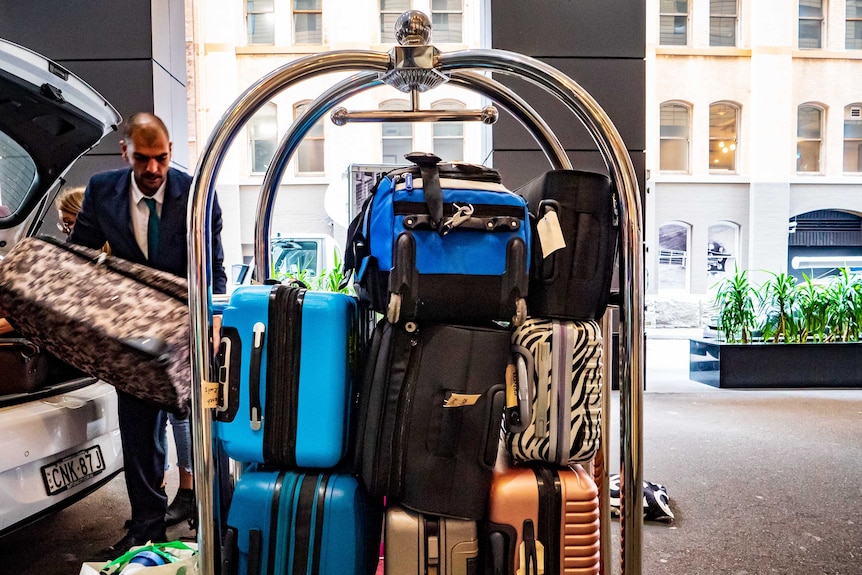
<point>543,521</point>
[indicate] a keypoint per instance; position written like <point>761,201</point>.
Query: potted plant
<point>764,328</point>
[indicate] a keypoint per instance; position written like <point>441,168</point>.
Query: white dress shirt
<point>141,213</point>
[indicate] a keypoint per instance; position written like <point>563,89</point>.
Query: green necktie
<point>152,229</point>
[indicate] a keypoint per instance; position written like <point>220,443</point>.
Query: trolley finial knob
<point>413,28</point>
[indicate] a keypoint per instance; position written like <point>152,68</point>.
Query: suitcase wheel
<point>520,312</point>
<point>393,310</point>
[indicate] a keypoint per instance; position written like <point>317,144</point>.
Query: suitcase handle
<point>430,184</point>
<point>254,407</point>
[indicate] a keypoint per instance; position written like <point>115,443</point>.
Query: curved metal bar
<point>200,206</point>
<point>282,155</point>
<point>613,152</point>
<point>615,155</point>
<point>492,89</point>
<point>521,111</point>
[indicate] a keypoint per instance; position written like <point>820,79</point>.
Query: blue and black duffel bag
<point>443,242</point>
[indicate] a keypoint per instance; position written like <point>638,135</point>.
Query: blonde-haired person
<point>68,204</point>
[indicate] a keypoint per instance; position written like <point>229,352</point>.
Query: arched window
<point>853,138</point>
<point>673,256</point>
<point>449,136</point>
<point>721,249</point>
<point>262,137</point>
<point>723,130</point>
<point>396,137</point>
<point>809,138</point>
<point>309,154</point>
<point>674,132</point>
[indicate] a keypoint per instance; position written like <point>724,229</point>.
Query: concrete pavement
<point>761,482</point>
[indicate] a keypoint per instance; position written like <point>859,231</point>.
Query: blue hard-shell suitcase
<point>287,357</point>
<point>284,522</point>
<point>443,242</point>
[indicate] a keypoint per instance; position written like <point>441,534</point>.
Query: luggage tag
<point>550,233</point>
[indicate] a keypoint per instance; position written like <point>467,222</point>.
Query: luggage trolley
<point>412,67</point>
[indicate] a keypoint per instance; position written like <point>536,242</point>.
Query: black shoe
<point>123,545</point>
<point>182,507</point>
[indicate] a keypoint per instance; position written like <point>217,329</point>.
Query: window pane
<point>854,8</point>
<point>810,8</point>
<point>853,39</point>
<point>853,129</point>
<point>809,122</point>
<point>853,156</point>
<point>726,7</point>
<point>448,129</point>
<point>673,155</point>
<point>396,129</point>
<point>720,252</point>
<point>722,31</point>
<point>395,5</point>
<point>17,173</point>
<point>673,257</point>
<point>395,149</point>
<point>307,29</point>
<point>810,34</point>
<point>674,121</point>
<point>454,5</point>
<point>673,30</point>
<point>310,156</point>
<point>446,27</point>
<point>261,28</point>
<point>263,150</point>
<point>680,6</point>
<point>261,22</point>
<point>808,156</point>
<point>306,4</point>
<point>449,149</point>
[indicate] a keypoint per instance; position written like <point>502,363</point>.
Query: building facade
<point>754,141</point>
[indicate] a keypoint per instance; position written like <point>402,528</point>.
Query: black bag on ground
<point>574,281</point>
<point>429,417</point>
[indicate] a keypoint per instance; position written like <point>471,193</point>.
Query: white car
<point>59,439</point>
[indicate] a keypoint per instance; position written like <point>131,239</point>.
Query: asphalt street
<point>761,482</point>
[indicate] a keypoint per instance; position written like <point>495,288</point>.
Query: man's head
<point>147,148</point>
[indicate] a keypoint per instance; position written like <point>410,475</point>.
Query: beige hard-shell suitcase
<point>415,543</point>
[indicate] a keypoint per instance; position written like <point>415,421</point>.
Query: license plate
<point>72,470</point>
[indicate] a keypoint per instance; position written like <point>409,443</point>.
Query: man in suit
<point>118,208</point>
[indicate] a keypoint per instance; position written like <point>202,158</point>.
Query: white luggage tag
<point>550,233</point>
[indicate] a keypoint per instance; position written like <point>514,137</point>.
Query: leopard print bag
<point>125,323</point>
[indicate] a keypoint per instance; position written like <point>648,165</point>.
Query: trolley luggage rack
<point>414,67</point>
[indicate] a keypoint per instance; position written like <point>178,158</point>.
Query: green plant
<point>735,302</point>
<point>811,312</point>
<point>778,296</point>
<point>842,309</point>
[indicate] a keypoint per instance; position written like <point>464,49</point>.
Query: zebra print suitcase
<point>558,381</point>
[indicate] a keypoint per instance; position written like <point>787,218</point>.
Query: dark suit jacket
<point>104,217</point>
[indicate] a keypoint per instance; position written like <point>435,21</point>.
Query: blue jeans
<point>182,440</point>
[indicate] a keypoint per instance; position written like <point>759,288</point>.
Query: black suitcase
<point>573,282</point>
<point>430,411</point>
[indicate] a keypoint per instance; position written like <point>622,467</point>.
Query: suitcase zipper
<point>405,407</point>
<point>564,345</point>
<point>282,393</point>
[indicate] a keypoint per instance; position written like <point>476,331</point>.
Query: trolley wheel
<point>393,310</point>
<point>520,312</point>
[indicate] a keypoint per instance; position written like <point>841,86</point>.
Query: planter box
<point>770,365</point>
